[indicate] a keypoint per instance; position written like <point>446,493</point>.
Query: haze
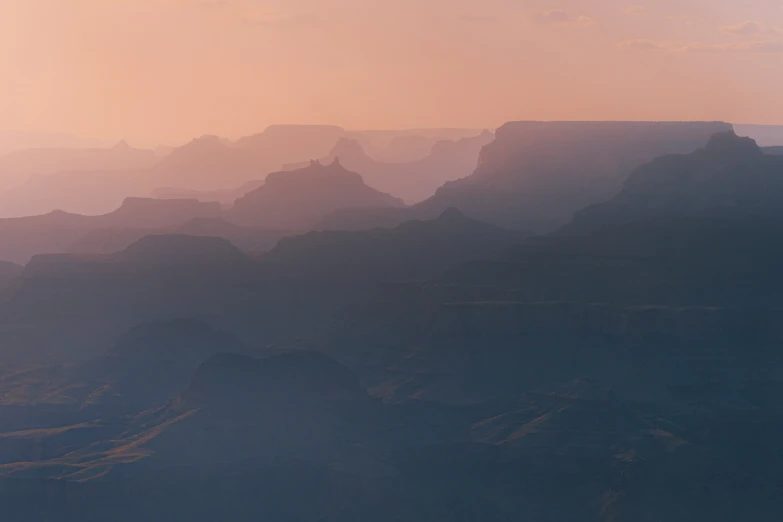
<point>106,68</point>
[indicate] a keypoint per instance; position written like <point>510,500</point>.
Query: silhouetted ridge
<point>414,180</point>
<point>204,147</point>
<point>317,173</point>
<point>182,249</point>
<point>453,222</point>
<point>149,209</point>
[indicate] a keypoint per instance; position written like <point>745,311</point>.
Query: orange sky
<point>167,70</point>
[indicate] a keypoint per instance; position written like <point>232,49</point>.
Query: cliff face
<point>535,175</point>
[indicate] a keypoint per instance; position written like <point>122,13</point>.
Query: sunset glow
<point>106,68</point>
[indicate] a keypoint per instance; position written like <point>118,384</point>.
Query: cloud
<point>745,29</point>
<point>635,10</point>
<point>561,18</point>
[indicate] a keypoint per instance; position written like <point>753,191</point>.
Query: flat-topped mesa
<point>299,199</point>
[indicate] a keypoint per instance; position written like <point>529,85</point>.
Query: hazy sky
<point>167,70</point>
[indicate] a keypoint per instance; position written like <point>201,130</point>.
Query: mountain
<point>223,196</point>
<point>686,256</point>
<point>535,175</point>
<point>207,164</point>
<point>82,303</point>
<point>293,288</point>
<point>413,250</point>
<point>299,199</point>
<point>21,165</point>
<point>415,180</point>
<point>775,151</point>
<point>624,367</point>
<point>115,239</point>
<point>93,181</point>
<point>208,167</point>
<point>292,143</point>
<point>731,176</point>
<point>55,232</point>
<point>89,181</point>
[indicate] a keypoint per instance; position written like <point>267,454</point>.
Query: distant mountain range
<point>415,180</point>
<point>535,175</point>
<point>623,367</point>
<point>96,181</point>
<point>56,232</point>
<point>316,274</point>
<point>21,166</point>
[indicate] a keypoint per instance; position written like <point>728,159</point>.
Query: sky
<point>164,71</point>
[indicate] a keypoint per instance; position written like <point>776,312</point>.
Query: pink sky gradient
<point>167,70</point>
